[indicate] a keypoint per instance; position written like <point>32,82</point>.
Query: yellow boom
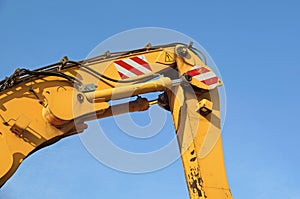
<point>39,107</point>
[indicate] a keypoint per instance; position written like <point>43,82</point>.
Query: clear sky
<point>256,47</point>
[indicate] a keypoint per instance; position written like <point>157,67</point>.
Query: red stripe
<point>210,81</point>
<point>129,67</point>
<point>122,75</point>
<point>197,71</point>
<point>141,62</point>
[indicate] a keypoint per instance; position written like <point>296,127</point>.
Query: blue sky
<point>256,47</point>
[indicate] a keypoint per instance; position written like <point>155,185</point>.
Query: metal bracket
<point>205,107</point>
<point>88,88</point>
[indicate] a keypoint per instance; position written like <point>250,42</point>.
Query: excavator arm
<point>40,107</point>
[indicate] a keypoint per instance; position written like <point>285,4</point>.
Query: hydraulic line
<point>109,78</point>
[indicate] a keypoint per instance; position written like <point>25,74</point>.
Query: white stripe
<point>136,65</point>
<point>213,86</point>
<point>195,67</point>
<point>143,58</point>
<point>124,71</point>
<point>205,76</point>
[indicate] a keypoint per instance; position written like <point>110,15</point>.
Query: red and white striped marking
<point>132,67</point>
<point>204,75</point>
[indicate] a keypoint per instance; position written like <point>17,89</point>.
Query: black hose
<point>104,76</point>
<point>50,73</point>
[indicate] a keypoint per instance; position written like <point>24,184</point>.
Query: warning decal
<point>132,67</point>
<point>204,75</point>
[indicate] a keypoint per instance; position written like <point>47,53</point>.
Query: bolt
<point>187,77</point>
<point>183,52</point>
<point>80,98</point>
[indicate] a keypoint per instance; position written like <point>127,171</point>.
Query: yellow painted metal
<point>199,137</point>
<point>140,104</point>
<point>200,144</point>
<point>41,110</point>
<point>63,105</point>
<point>205,107</point>
<point>23,127</point>
<point>161,84</point>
